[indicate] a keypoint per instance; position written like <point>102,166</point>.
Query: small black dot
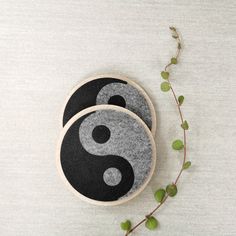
<point>117,100</point>
<point>101,134</point>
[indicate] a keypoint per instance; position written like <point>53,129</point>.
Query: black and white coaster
<point>106,154</point>
<point>114,90</point>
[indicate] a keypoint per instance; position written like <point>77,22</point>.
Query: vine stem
<point>177,37</point>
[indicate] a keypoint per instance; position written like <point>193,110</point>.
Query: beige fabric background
<point>48,46</point>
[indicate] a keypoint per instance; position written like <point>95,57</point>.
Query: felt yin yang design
<point>106,154</point>
<point>114,90</point>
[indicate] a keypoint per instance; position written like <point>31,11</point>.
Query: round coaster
<point>114,90</point>
<point>106,155</point>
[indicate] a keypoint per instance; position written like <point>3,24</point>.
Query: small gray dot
<point>112,176</point>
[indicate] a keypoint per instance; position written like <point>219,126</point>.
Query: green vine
<point>161,195</point>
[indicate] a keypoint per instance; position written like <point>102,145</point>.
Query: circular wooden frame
<point>84,112</point>
<point>129,81</point>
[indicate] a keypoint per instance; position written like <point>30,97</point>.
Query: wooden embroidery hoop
<point>129,81</point>
<point>76,117</point>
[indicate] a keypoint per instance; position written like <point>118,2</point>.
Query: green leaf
<point>126,225</point>
<point>151,223</point>
<point>171,190</point>
<point>160,194</point>
<point>177,145</point>
<point>185,125</point>
<point>165,74</point>
<point>165,86</point>
<point>172,28</point>
<point>181,100</point>
<point>186,165</point>
<point>173,60</point>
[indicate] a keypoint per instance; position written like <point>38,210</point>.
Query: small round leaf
<point>173,60</point>
<point>171,190</point>
<point>160,194</point>
<point>126,225</point>
<point>165,86</point>
<point>165,75</point>
<point>185,125</point>
<point>151,223</point>
<point>181,100</point>
<point>172,28</point>
<point>186,165</point>
<point>177,145</point>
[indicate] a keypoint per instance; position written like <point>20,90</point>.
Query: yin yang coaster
<point>106,154</point>
<point>114,90</point>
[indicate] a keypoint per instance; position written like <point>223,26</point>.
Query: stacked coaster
<point>106,153</point>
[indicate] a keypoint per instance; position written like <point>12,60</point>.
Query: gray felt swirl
<point>107,154</point>
<point>134,100</point>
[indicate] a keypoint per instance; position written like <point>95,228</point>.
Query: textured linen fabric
<point>48,46</point>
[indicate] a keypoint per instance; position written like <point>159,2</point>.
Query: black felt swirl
<point>84,171</point>
<point>86,96</point>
